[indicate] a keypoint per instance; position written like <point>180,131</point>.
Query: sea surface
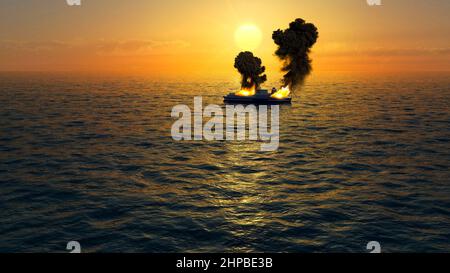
<point>92,160</point>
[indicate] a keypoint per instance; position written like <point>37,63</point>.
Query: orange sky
<point>195,38</point>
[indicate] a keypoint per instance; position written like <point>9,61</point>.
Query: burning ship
<point>294,45</point>
<point>260,96</point>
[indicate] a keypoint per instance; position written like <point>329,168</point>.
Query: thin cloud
<point>138,47</point>
<point>101,47</point>
<point>338,49</point>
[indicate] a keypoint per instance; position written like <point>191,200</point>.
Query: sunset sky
<point>175,38</point>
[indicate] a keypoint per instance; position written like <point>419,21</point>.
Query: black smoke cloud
<point>294,45</point>
<point>251,69</point>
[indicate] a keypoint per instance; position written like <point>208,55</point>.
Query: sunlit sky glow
<point>248,37</point>
<point>197,38</point>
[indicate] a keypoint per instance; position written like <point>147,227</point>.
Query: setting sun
<point>248,37</point>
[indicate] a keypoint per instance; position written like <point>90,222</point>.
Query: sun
<point>248,37</point>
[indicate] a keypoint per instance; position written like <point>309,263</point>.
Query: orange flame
<point>246,92</point>
<point>282,93</point>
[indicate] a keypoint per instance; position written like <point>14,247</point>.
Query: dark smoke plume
<point>250,68</point>
<point>294,45</point>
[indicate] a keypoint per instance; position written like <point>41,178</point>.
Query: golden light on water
<point>248,37</point>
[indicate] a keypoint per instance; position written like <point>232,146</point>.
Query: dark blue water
<point>92,160</point>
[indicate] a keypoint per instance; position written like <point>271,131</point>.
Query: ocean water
<point>92,160</point>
